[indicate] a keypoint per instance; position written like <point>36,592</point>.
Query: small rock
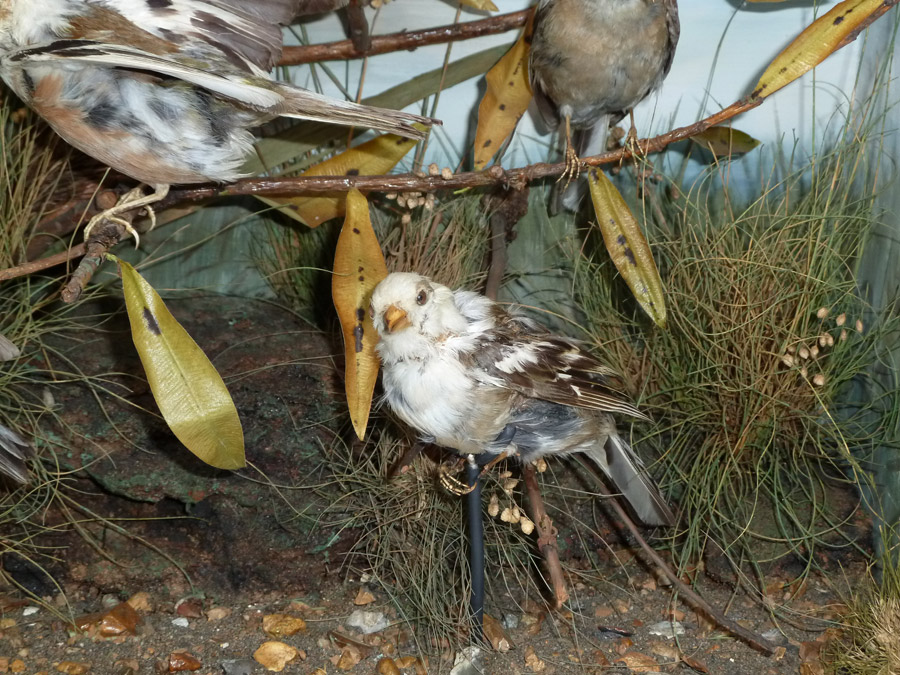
<point>363,597</point>
<point>120,620</point>
<point>667,629</point>
<point>140,602</point>
<point>190,607</point>
<point>181,622</point>
<point>28,611</point>
<point>282,625</point>
<point>217,613</point>
<point>533,661</point>
<point>183,661</point>
<point>274,656</point>
<point>238,667</point>
<point>367,622</point>
<point>639,663</point>
<point>510,621</point>
<point>387,666</point>
<point>72,667</point>
<point>468,661</point>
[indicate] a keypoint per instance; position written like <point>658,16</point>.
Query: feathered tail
<point>13,451</point>
<point>625,469</point>
<point>308,105</point>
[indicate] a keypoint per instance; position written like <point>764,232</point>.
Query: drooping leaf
<point>485,5</point>
<point>627,246</point>
<point>373,157</point>
<point>505,100</point>
<point>190,393</point>
<point>358,267</point>
<point>818,41</point>
<point>724,141</point>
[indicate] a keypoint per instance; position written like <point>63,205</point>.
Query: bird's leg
<point>131,200</point>
<point>631,138</point>
<point>573,161</point>
<point>452,484</point>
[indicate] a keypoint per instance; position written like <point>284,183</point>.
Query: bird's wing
<point>546,107</point>
<point>246,33</point>
<point>547,367</point>
<point>227,85</point>
<point>13,451</point>
<point>673,25</point>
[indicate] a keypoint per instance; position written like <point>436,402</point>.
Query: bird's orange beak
<point>395,319</point>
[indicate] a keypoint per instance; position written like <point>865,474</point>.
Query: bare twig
<point>96,248</point>
<point>381,44</point>
<point>693,598</point>
<point>546,535</point>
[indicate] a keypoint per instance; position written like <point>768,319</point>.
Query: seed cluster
<point>809,354</point>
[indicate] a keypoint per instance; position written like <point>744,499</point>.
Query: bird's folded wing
<point>246,32</point>
<point>116,56</point>
<point>552,369</point>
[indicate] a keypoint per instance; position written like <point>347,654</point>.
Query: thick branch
<point>381,44</point>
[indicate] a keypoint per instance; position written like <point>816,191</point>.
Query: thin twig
<point>507,209</point>
<point>344,50</point>
<point>546,536</point>
<point>752,638</point>
<point>96,248</point>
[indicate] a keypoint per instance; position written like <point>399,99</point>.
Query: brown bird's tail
<point>624,468</point>
<point>308,105</point>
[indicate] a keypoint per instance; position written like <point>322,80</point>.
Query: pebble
<point>181,622</point>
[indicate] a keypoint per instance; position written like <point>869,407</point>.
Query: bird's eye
<point>421,298</point>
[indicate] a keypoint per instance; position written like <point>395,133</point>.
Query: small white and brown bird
<point>469,375</point>
<point>165,91</point>
<point>592,61</point>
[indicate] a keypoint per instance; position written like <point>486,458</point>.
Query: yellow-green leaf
<point>818,41</point>
<point>358,267</point>
<point>505,100</point>
<point>485,5</point>
<point>374,157</point>
<point>723,141</point>
<point>190,393</point>
<point>627,246</point>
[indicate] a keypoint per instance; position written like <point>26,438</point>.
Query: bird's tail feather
<point>308,105</point>
<point>13,451</point>
<point>627,472</point>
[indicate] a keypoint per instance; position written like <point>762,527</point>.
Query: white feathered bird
<point>468,375</point>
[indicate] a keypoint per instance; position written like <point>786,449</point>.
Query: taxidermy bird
<point>468,375</point>
<point>165,91</point>
<point>592,61</point>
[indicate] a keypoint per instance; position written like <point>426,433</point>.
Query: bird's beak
<point>395,319</point>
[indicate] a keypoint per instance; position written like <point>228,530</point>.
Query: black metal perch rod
<point>476,548</point>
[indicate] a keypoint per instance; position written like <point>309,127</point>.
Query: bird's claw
<point>573,167</point>
<point>133,199</point>
<point>449,481</point>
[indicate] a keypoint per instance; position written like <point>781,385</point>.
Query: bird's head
<point>408,305</point>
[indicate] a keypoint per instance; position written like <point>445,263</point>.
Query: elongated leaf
<point>818,41</point>
<point>505,100</point>
<point>627,246</point>
<point>723,141</point>
<point>190,393</point>
<point>358,267</point>
<point>485,5</point>
<point>374,157</point>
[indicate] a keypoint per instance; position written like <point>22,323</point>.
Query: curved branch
<point>343,50</point>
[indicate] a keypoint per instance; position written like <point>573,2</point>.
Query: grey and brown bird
<point>592,61</point>
<point>166,91</point>
<point>469,375</point>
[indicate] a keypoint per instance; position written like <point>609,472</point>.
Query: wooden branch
<point>752,638</point>
<point>546,535</point>
<point>344,50</point>
<point>494,176</point>
<point>507,208</point>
